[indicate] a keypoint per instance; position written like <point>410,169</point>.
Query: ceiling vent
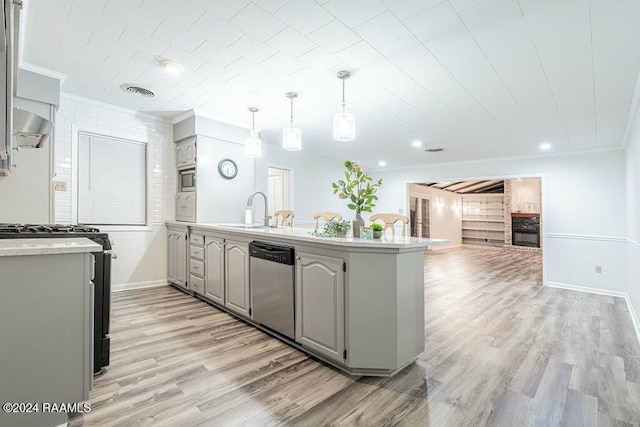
<point>434,150</point>
<point>138,90</point>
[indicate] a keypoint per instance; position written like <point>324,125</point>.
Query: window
<point>278,191</point>
<point>112,181</point>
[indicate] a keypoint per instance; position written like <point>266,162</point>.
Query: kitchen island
<point>359,304</point>
<point>46,327</point>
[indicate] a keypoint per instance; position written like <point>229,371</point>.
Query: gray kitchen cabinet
<point>196,264</point>
<point>177,259</point>
<point>320,304</point>
<point>237,296</point>
<point>46,325</point>
<point>186,153</point>
<point>214,266</point>
<point>186,206</point>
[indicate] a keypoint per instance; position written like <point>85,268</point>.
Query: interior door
<point>419,217</point>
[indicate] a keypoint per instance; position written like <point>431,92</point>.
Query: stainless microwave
<point>188,180</point>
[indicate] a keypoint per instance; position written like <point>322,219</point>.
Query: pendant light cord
<point>291,118</point>
<point>344,103</point>
<point>253,121</point>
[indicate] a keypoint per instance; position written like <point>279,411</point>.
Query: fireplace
<point>525,230</point>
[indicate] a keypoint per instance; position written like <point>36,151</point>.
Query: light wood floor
<point>501,350</point>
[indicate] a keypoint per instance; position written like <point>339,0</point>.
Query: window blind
<point>112,183</point>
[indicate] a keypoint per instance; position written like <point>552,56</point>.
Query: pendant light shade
<point>291,136</point>
<point>344,124</point>
<point>253,144</point>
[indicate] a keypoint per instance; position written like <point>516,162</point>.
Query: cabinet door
<point>237,277</point>
<point>190,153</point>
<point>171,249</point>
<point>214,268</point>
<point>320,304</point>
<point>186,206</point>
<point>181,259</point>
<point>180,207</point>
<point>186,153</point>
<point>190,207</point>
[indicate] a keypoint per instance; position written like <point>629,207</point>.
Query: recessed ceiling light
<point>545,146</point>
<point>416,144</point>
<point>382,163</point>
<point>171,67</point>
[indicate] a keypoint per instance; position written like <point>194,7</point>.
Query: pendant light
<point>344,124</point>
<point>253,144</point>
<point>291,136</point>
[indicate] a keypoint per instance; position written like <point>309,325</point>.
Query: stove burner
<point>46,228</point>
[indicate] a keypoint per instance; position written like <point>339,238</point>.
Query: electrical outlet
<point>598,269</point>
<point>59,186</point>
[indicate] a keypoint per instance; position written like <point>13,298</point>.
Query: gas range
<point>101,279</point>
<point>25,231</point>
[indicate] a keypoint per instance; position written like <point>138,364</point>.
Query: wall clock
<point>228,168</point>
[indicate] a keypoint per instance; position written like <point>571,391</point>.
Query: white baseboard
<point>597,291</point>
<point>138,285</point>
<point>634,317</point>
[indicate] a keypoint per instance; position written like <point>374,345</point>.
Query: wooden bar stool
<point>389,220</point>
<point>286,217</point>
<point>327,216</point>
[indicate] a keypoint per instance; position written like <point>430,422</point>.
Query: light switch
<point>598,269</point>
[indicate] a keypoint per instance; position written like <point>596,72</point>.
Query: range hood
<point>30,129</point>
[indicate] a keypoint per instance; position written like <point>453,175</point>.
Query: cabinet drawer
<point>197,284</point>
<point>197,239</point>
<point>197,267</point>
<point>196,252</point>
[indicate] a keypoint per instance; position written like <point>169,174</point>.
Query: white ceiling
<point>480,78</point>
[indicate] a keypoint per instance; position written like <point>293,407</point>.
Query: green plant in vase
<point>360,189</point>
<point>377,230</point>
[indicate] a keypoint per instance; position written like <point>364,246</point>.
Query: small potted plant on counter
<point>377,230</point>
<point>334,228</point>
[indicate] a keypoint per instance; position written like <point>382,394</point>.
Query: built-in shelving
<point>483,219</point>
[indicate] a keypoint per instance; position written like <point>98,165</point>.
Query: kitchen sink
<point>243,225</point>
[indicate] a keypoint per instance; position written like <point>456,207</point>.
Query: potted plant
<point>334,228</point>
<point>377,230</point>
<point>360,189</point>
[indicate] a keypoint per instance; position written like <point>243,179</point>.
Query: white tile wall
<point>86,115</point>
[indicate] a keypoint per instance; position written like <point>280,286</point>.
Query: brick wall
<point>85,115</point>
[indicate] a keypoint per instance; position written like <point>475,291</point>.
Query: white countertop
<point>31,246</point>
<point>304,234</point>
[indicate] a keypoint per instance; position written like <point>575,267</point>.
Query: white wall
<point>25,195</point>
<point>141,251</point>
<point>445,218</point>
<point>633,217</point>
<point>312,178</point>
<point>219,199</point>
<point>583,208</point>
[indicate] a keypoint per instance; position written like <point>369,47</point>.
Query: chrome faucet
<point>266,206</point>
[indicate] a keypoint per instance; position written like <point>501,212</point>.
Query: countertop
<point>304,234</point>
<point>51,246</point>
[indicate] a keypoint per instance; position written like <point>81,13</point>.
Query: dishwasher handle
<point>274,253</point>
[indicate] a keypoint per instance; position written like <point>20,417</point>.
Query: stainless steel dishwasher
<point>272,286</point>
